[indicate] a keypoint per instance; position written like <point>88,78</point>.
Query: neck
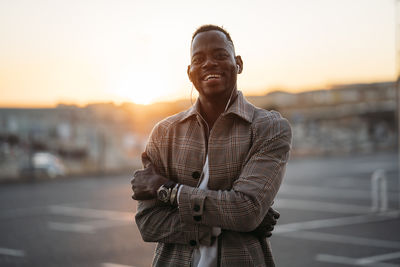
<point>213,107</point>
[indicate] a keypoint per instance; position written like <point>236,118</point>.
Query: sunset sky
<point>125,50</point>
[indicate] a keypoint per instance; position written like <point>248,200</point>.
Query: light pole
<point>397,39</point>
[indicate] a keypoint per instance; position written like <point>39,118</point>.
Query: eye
<point>196,59</point>
<point>221,56</point>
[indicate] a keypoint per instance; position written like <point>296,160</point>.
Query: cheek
<point>233,74</point>
<point>194,78</point>
<point>193,74</point>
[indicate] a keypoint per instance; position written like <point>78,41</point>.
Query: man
<point>212,172</point>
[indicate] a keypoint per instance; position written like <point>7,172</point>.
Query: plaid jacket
<point>248,149</point>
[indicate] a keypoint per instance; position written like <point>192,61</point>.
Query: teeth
<point>212,76</point>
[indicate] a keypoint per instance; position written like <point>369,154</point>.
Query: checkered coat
<point>248,149</point>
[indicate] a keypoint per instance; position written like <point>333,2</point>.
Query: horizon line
<point>39,105</point>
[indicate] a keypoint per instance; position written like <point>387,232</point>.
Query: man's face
<point>213,69</point>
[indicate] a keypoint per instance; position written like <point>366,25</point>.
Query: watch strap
<point>170,184</point>
<point>173,197</point>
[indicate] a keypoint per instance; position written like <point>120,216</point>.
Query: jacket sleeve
<point>243,207</point>
<point>159,222</point>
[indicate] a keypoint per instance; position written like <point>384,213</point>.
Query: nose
<point>209,62</point>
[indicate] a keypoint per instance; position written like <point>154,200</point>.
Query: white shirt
<point>205,256</point>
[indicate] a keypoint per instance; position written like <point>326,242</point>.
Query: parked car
<point>43,165</point>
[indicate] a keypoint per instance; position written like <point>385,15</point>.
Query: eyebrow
<point>214,50</point>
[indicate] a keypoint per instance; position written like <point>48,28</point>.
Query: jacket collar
<point>240,107</point>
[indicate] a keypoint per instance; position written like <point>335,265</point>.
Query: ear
<point>188,73</point>
<point>239,62</point>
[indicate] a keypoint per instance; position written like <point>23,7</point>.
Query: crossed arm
<point>159,222</point>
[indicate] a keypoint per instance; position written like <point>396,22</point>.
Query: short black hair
<point>211,27</point>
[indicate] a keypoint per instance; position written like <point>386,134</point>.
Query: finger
<point>145,160</point>
<point>270,211</point>
<point>136,172</point>
<point>141,196</point>
<point>270,218</point>
<point>275,213</point>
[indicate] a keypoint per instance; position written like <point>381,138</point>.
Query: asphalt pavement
<point>328,218</point>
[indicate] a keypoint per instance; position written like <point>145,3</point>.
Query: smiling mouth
<point>211,77</point>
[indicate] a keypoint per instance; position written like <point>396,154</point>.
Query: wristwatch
<point>164,192</point>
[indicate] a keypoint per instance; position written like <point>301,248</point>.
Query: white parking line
<point>382,257</point>
<point>106,219</point>
<point>334,222</point>
<point>344,239</point>
<point>88,227</point>
<point>326,192</point>
<point>71,227</point>
<point>91,213</point>
<point>352,261</point>
<point>12,252</point>
<point>297,204</point>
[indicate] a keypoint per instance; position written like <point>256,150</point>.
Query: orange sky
<point>102,50</point>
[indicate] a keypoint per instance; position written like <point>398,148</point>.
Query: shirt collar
<point>240,107</point>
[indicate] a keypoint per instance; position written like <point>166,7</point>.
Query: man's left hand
<point>146,182</point>
<point>267,225</point>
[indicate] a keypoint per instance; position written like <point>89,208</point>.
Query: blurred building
<point>354,118</point>
<point>93,139</point>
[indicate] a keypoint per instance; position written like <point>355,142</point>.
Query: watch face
<point>163,195</point>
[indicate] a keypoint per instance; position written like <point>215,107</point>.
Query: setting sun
<point>140,87</point>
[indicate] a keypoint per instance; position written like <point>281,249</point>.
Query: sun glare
<point>141,88</point>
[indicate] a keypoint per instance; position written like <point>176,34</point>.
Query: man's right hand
<point>267,225</point>
<point>146,182</point>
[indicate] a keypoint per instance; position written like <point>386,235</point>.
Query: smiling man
<point>211,173</point>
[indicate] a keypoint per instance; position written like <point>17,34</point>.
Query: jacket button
<point>196,207</point>
<point>197,218</point>
<point>192,243</point>
<point>196,175</point>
